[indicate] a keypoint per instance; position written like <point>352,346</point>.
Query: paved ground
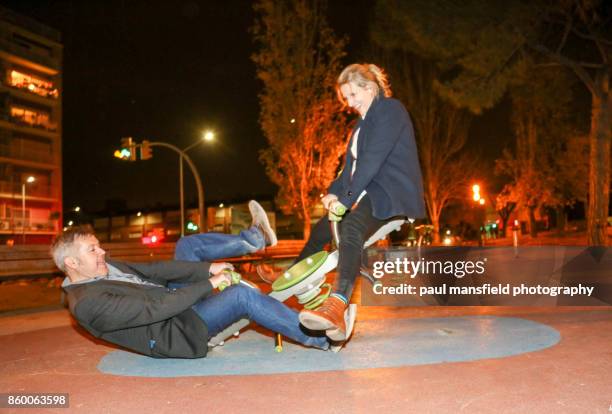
<point>43,352</point>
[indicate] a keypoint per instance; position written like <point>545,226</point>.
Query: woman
<point>381,180</point>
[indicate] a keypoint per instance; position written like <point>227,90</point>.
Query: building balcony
<point>35,191</point>
<point>32,84</point>
<point>25,121</point>
<point>27,226</point>
<point>38,60</point>
<point>30,88</point>
<point>26,129</point>
<point>27,154</point>
<point>25,94</point>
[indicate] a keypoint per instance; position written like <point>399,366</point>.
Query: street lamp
<point>28,180</point>
<point>207,136</point>
<point>476,192</point>
<point>478,198</point>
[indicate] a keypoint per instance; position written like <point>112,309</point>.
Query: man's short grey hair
<point>64,242</point>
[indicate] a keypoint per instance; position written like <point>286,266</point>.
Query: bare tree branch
<point>591,37</point>
<point>566,32</point>
<point>591,65</point>
<point>582,74</point>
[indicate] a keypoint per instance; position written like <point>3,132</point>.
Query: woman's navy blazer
<point>388,163</point>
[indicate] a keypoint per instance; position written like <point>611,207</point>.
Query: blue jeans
<point>237,301</point>
<point>206,247</point>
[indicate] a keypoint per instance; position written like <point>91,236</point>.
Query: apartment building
<point>30,130</point>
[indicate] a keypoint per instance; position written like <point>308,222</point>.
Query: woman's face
<point>359,98</point>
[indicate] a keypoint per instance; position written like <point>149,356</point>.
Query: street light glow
<point>138,214</point>
<point>476,192</point>
<point>30,179</point>
<point>77,209</point>
<point>481,201</point>
<point>70,223</point>
<point>209,136</point>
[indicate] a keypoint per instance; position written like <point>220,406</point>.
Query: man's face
<point>89,257</point>
<point>357,97</point>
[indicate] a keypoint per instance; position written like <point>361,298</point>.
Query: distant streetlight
<point>209,136</point>
<point>481,201</point>
<point>476,192</point>
<point>28,180</point>
<point>138,214</point>
<point>77,209</point>
<point>221,205</point>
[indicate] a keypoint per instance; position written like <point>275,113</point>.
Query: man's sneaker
<point>349,319</point>
<point>260,220</point>
<point>328,316</point>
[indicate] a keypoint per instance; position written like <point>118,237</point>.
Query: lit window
<point>32,118</point>
<point>33,84</point>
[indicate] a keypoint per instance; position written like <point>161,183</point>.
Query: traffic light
<point>191,226</point>
<point>145,150</point>
<point>127,151</point>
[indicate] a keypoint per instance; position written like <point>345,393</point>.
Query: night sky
<point>166,71</point>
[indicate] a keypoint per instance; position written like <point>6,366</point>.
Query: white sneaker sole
<point>314,322</point>
<point>257,210</point>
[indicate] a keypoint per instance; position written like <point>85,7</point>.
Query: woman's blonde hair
<point>364,74</point>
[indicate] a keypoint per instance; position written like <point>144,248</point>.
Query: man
<point>132,305</point>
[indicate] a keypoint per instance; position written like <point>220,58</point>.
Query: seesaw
<point>306,280</point>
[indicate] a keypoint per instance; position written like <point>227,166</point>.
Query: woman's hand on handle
<point>336,211</point>
<point>328,199</point>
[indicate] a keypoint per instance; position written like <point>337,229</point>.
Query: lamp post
<point>128,152</point>
<point>206,136</point>
<point>477,197</point>
<point>28,180</point>
<point>183,156</point>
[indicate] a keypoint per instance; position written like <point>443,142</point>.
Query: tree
<point>530,188</point>
<point>570,166</point>
<point>504,206</point>
<point>487,44</point>
<point>541,121</point>
<point>440,129</point>
<point>298,60</point>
